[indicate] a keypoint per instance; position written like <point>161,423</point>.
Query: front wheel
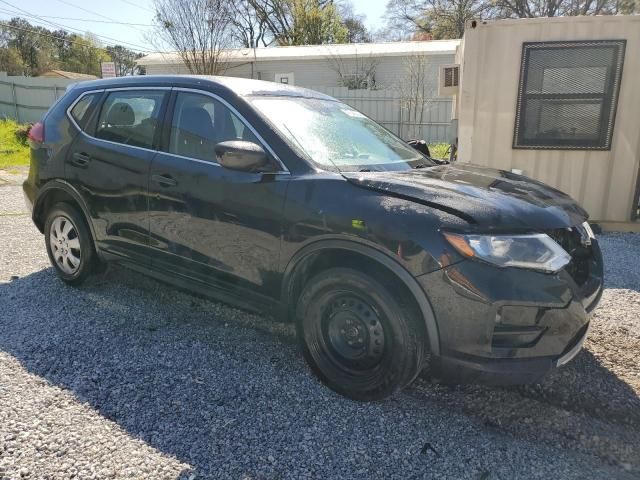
<point>69,244</point>
<point>361,339</point>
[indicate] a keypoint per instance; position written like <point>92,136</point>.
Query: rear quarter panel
<point>47,162</point>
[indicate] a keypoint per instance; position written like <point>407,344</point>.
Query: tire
<point>357,336</point>
<point>69,244</point>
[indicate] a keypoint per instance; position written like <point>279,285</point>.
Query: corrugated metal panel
<point>387,108</point>
<point>602,181</point>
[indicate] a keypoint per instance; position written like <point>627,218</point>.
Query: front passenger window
<point>199,123</point>
<point>130,117</point>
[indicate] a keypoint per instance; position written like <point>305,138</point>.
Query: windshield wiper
<point>436,162</point>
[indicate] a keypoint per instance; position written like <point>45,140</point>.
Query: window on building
<point>568,94</point>
<point>286,78</point>
<point>357,81</point>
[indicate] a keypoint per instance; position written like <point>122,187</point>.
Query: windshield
<point>334,135</point>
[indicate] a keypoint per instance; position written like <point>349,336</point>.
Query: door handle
<point>164,180</point>
<point>81,159</point>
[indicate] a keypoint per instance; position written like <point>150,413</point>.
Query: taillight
<point>36,135</point>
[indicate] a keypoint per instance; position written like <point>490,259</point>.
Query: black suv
<point>288,202</point>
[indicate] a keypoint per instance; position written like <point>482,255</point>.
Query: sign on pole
<point>108,69</point>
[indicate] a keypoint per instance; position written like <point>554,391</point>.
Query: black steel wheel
<point>357,336</point>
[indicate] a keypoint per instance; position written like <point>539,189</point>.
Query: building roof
<point>70,75</point>
<point>308,52</point>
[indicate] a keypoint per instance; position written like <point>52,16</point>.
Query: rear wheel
<point>360,338</point>
<point>69,243</point>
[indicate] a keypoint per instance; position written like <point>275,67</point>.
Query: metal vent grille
<point>568,94</point>
<point>451,76</point>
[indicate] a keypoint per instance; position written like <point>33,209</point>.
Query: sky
<point>81,16</point>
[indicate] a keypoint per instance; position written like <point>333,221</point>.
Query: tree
<point>442,19</point>
<point>555,8</point>
<point>40,50</point>
<point>357,32</point>
<point>414,87</point>
<point>125,60</point>
<point>355,73</point>
<point>248,29</point>
<point>301,22</point>
<point>447,18</point>
<point>628,7</point>
<point>35,50</point>
<point>11,62</point>
<point>84,55</point>
<point>315,24</point>
<point>199,30</point>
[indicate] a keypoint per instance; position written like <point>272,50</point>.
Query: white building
<point>319,65</point>
<point>395,83</point>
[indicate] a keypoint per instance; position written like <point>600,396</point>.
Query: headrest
<point>121,114</point>
<point>224,125</point>
<point>197,121</point>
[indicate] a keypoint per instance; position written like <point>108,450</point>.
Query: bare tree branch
<point>358,72</point>
<point>249,29</point>
<point>199,30</point>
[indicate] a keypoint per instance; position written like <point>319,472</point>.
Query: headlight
<point>535,251</point>
<point>586,234</point>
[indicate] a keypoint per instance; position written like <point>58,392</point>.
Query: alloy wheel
<point>65,244</point>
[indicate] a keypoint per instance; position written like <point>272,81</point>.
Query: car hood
<point>486,198</point>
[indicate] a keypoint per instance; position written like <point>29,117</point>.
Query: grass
<point>439,150</point>
<point>14,151</point>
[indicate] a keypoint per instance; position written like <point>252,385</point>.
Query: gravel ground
<point>129,378</point>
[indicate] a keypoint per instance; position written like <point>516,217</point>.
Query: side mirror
<point>241,155</point>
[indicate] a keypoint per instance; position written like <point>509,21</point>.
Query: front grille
<point>572,239</point>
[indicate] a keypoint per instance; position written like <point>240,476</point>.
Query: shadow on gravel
<point>587,386</point>
<point>223,390</point>
<point>584,387</point>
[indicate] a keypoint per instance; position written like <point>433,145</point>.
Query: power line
<point>56,37</point>
<point>65,27</point>
<point>138,6</point>
<point>92,12</point>
<point>81,33</point>
<point>91,20</point>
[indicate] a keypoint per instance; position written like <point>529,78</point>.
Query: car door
<point>208,223</point>
<point>109,162</point>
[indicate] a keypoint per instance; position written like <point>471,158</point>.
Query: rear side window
<point>81,111</point>
<point>200,122</point>
<point>130,117</point>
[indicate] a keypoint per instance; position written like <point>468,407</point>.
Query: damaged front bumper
<point>510,325</point>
